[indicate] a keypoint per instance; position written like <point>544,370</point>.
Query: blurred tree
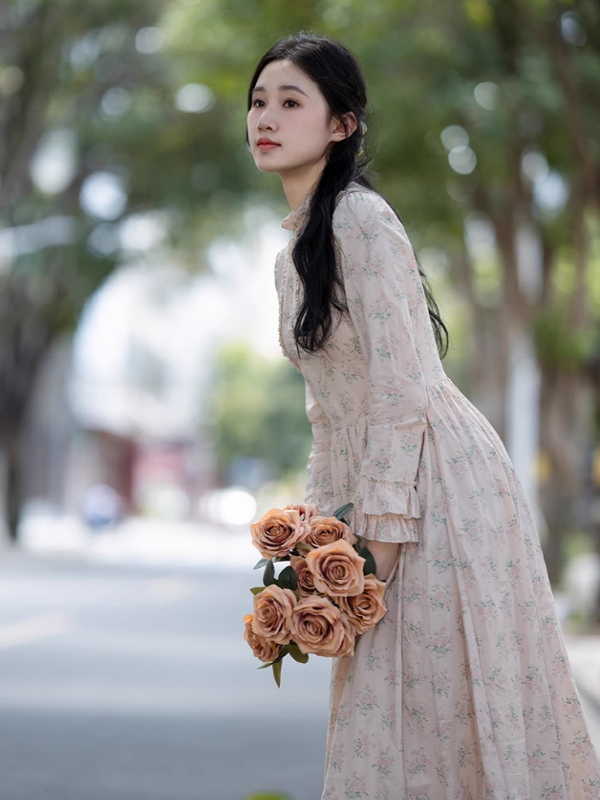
<point>487,113</point>
<point>258,405</point>
<point>104,148</point>
<point>484,113</point>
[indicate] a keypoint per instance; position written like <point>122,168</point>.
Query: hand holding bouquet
<point>323,600</point>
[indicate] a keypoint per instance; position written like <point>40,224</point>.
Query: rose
<point>306,581</point>
<point>273,613</point>
<point>320,628</point>
<point>324,530</point>
<point>306,510</point>
<point>337,569</point>
<point>263,649</point>
<point>277,532</point>
<point>366,609</point>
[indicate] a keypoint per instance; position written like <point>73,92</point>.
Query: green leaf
<point>277,672</point>
<point>260,563</point>
<point>264,666</point>
<point>288,578</point>
<point>341,512</point>
<point>282,558</point>
<point>283,651</point>
<point>269,576</point>
<point>369,567</point>
<point>297,654</point>
<point>257,589</point>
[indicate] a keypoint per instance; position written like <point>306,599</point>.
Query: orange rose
<point>320,628</point>
<point>337,569</point>
<point>324,530</point>
<point>366,609</point>
<point>306,510</point>
<point>264,649</point>
<point>273,613</point>
<point>277,532</point>
<point>306,581</point>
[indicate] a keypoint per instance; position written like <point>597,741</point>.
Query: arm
<point>385,554</point>
<point>318,471</point>
<point>382,283</point>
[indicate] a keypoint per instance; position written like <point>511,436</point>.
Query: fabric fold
<point>394,528</point>
<point>373,496</point>
<point>319,489</point>
<point>382,285</point>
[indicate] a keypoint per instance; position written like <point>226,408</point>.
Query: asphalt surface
<point>123,682</point>
<point>119,683</point>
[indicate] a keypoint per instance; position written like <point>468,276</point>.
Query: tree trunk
<point>13,486</point>
<point>563,436</point>
<point>20,360</point>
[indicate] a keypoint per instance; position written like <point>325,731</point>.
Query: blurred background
<point>147,415</point>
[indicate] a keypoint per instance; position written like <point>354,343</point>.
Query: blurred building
<point>125,403</point>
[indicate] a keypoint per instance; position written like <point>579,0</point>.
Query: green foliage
<point>577,542</point>
<point>259,407</point>
<point>269,574</point>
<point>277,672</point>
<point>341,512</point>
<point>558,344</point>
<point>267,796</point>
<point>423,62</point>
<point>287,578</point>
<point>369,567</point>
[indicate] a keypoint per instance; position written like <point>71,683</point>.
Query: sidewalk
<point>140,541</point>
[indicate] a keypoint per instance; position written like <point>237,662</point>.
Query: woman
<point>464,690</point>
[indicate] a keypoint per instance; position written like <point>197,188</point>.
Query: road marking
<point>34,629</point>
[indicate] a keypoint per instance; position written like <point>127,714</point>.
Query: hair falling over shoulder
<point>337,72</point>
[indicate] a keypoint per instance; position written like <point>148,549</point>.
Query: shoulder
<point>363,212</point>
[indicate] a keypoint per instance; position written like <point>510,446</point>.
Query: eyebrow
<point>286,87</point>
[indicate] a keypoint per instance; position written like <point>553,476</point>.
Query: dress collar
<point>295,219</point>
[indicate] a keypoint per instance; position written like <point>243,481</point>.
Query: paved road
<point>119,683</point>
<point>124,682</point>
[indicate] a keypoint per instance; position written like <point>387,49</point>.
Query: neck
<point>298,186</point>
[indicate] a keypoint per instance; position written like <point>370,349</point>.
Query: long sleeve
<point>319,488</point>
<point>382,282</point>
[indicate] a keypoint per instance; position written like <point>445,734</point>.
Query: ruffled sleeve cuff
<point>386,511</point>
<point>373,496</point>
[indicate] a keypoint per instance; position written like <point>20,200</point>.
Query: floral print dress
<point>463,691</point>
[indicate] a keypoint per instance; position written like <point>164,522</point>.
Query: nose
<point>265,121</point>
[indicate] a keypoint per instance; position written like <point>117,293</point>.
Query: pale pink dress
<point>464,690</point>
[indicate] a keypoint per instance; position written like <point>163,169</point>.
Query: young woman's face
<point>289,109</point>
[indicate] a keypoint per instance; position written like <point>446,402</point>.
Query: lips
<point>267,144</point>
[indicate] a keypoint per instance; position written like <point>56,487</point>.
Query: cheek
<point>310,130</point>
<point>252,116</point>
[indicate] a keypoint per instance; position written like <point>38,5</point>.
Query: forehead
<point>279,74</point>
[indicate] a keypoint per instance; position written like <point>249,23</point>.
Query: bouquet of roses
<point>322,601</point>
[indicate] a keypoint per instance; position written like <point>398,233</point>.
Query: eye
<point>291,101</point>
<point>256,101</point>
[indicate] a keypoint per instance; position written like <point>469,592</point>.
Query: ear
<point>337,128</point>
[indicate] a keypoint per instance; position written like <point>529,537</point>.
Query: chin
<point>267,168</point>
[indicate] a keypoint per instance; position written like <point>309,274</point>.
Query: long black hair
<point>337,73</point>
